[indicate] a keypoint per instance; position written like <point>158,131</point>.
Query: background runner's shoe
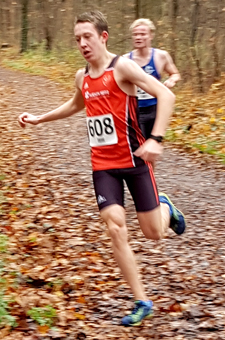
<point>142,310</point>
<point>177,220</point>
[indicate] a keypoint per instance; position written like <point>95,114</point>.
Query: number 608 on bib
<point>101,130</point>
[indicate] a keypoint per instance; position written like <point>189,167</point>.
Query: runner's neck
<point>96,69</point>
<point>142,56</point>
<point>145,52</point>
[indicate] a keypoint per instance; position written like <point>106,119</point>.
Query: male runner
<point>118,150</point>
<point>153,61</point>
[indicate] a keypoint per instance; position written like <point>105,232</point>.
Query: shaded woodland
<point>58,276</point>
<point>192,31</point>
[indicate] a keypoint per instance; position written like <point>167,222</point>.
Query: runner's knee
<point>117,228</point>
<point>115,220</point>
<point>153,234</point>
<point>118,234</point>
<point>150,223</point>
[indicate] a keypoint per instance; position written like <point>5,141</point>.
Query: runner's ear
<point>105,36</point>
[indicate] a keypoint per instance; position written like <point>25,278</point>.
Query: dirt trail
<point>185,275</point>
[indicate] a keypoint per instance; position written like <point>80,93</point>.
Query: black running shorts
<point>109,187</point>
<point>146,119</point>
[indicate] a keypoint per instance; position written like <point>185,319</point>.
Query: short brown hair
<point>96,18</point>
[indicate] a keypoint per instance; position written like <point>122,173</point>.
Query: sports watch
<point>158,139</point>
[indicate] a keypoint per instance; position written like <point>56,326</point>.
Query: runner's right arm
<point>67,109</point>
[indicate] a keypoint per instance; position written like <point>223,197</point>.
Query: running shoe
<point>177,220</point>
<point>142,310</point>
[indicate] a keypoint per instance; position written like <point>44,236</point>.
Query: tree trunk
<point>24,25</point>
<point>215,43</point>
<point>174,10</point>
<point>194,30</point>
<point>137,9</point>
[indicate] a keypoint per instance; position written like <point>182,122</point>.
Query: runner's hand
<point>149,151</point>
<point>27,118</point>
<point>169,83</point>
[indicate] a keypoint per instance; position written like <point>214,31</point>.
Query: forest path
<point>48,169</point>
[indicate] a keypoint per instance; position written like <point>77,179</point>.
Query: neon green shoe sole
<point>177,221</point>
<point>143,310</point>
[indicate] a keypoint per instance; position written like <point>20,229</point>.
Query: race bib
<point>101,130</point>
<point>142,95</point>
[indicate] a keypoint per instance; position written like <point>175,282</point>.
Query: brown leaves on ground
<point>59,253</point>
<point>198,122</point>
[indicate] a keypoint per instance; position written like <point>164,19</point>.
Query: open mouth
<point>86,53</point>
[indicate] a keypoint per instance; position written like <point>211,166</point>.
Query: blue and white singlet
<point>145,99</point>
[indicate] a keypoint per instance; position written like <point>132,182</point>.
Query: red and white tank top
<point>112,121</point>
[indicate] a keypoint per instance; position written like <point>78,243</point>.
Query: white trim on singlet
<point>127,132</point>
<point>106,70</point>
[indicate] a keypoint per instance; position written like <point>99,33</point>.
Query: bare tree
<point>174,11</point>
<point>24,25</point>
<point>215,41</point>
<point>194,49</point>
<point>137,8</point>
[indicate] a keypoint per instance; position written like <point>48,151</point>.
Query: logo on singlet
<point>101,199</point>
<point>149,69</point>
<point>90,95</point>
<point>106,79</point>
<point>86,94</point>
<point>86,86</point>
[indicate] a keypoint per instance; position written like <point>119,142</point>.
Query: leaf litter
<point>59,253</point>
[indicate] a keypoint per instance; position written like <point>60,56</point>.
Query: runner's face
<point>141,36</point>
<point>89,42</point>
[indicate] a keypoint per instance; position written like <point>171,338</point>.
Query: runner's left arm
<point>171,69</point>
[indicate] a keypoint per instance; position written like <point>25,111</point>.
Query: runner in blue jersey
<point>154,62</point>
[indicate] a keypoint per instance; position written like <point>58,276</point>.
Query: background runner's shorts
<point>146,119</point>
<point>109,187</point>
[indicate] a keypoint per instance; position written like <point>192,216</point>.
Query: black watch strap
<point>158,139</point>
